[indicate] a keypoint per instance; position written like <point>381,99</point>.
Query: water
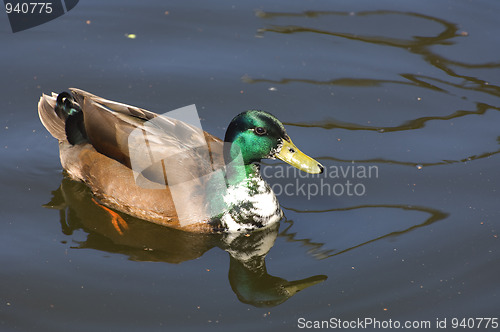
<point>408,89</point>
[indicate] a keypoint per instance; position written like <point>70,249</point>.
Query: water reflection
<point>248,273</point>
<point>316,247</point>
<point>423,45</point>
<point>144,241</point>
<point>417,123</point>
<point>412,164</point>
<point>420,45</point>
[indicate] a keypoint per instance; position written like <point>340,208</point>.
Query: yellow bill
<point>290,154</point>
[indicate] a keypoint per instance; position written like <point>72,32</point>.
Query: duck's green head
<point>260,135</point>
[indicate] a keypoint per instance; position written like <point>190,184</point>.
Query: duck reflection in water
<point>144,241</point>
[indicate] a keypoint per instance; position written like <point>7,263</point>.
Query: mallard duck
<point>167,171</point>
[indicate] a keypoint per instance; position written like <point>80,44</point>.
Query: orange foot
<point>118,222</point>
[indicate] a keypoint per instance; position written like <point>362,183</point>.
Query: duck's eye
<point>260,131</point>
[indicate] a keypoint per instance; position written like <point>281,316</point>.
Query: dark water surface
<point>409,91</point>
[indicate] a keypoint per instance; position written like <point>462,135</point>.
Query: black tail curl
<point>68,109</point>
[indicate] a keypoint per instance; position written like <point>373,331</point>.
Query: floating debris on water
<point>130,35</point>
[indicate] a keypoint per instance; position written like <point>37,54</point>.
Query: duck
<point>166,170</point>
